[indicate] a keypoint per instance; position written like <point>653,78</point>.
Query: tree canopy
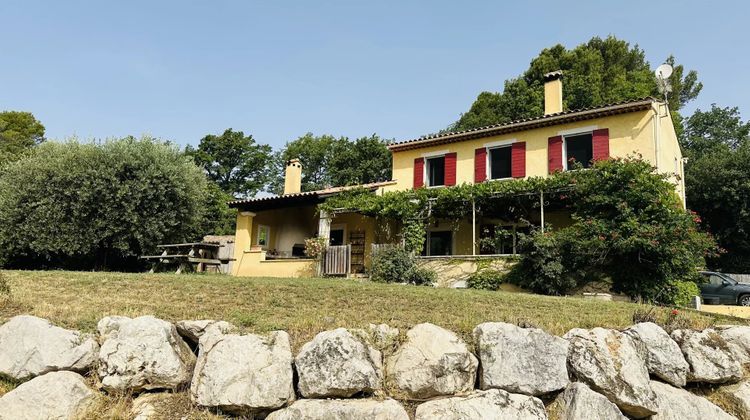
<point>88,205</point>
<point>331,161</point>
<point>598,72</point>
<point>235,162</point>
<point>717,178</point>
<point>19,131</point>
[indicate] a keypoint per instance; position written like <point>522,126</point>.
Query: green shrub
<point>486,279</point>
<point>4,286</point>
<point>541,267</point>
<point>396,265</point>
<point>680,293</point>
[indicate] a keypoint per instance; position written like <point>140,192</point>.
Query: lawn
<point>302,307</point>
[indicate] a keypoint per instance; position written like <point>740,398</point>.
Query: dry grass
<point>302,307</point>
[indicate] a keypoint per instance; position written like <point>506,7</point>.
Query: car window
<point>715,280</point>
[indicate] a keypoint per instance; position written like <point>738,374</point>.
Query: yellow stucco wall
<point>254,264</point>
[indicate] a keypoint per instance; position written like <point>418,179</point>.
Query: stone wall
<point>454,271</point>
<point>508,372</point>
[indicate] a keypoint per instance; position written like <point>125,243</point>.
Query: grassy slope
<point>302,307</point>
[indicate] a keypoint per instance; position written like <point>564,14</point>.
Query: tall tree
<point>717,177</point>
<point>19,131</point>
<point>598,72</point>
<point>235,162</point>
<point>330,161</point>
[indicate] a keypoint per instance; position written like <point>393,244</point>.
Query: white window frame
<point>425,170</point>
<point>488,164</point>
<point>268,236</point>
<point>574,133</point>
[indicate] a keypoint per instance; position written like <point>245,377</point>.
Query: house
<point>271,231</point>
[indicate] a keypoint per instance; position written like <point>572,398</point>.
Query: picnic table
<point>192,256</point>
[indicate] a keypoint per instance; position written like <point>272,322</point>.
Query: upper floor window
<point>435,171</point>
<point>579,148</point>
<point>500,162</point>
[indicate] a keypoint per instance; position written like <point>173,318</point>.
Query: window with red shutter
<point>450,168</point>
<point>600,144</point>
<point>518,160</point>
<point>480,165</point>
<point>418,172</point>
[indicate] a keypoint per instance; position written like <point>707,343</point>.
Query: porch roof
<point>299,199</point>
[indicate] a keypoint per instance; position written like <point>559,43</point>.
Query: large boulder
<point>664,358</point>
<point>738,341</point>
<point>53,396</point>
<point>31,346</point>
<point>678,404</point>
<point>493,404</point>
<point>579,402</point>
<point>538,369</point>
<point>337,363</point>
<point>709,356</point>
<point>610,363</point>
<point>433,361</point>
<point>142,353</point>
<point>341,410</point>
<point>243,374</point>
<point>194,330</point>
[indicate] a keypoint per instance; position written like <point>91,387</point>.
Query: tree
<point>19,131</point>
<point>717,178</point>
<point>598,72</point>
<point>330,161</point>
<point>87,205</point>
<point>235,162</point>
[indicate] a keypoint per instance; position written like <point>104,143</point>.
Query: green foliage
<point>682,292</point>
<point>397,265</point>
<point>487,279</point>
<point>598,72</point>
<point>19,132</point>
<point>717,177</point>
<point>541,267</point>
<point>329,161</point>
<point>237,164</point>
<point>218,217</point>
<point>87,205</point>
<point>4,286</point>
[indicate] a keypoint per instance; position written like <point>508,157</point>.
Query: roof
<point>641,104</point>
<point>307,197</point>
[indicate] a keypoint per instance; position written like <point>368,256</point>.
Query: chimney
<point>553,92</point>
<point>293,177</point>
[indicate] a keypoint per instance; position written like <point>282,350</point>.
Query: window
<point>435,171</point>
<point>336,237</point>
<point>715,280</point>
<point>439,243</point>
<point>264,235</point>
<point>500,166</point>
<point>579,149</point>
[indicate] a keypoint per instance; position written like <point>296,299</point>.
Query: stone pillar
<point>324,225</point>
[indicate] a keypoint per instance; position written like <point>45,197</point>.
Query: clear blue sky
<point>181,69</point>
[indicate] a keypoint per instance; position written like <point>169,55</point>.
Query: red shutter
<point>480,165</point>
<point>600,144</point>
<point>554,154</point>
<point>518,160</point>
<point>450,168</point>
<point>418,172</point>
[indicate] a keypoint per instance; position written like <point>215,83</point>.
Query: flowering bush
<point>314,247</point>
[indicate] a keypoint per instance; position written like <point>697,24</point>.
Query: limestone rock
<point>243,374</point>
<point>664,358</point>
<point>738,340</point>
<point>143,353</point>
<point>193,330</point>
<point>493,404</point>
<point>341,410</point>
<point>609,362</point>
<point>709,356</point>
<point>433,361</point>
<point>31,346</point>
<point>337,363</point>
<point>579,402</point>
<point>145,407</point>
<point>736,399</point>
<point>521,360</point>
<point>383,336</point>
<point>53,396</point>
<point>678,404</point>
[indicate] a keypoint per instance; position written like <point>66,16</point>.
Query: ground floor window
<point>336,237</point>
<point>439,243</point>
<point>264,233</point>
<point>500,239</point>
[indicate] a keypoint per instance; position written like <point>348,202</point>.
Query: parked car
<point>721,289</point>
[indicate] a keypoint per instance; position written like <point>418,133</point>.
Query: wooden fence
<point>337,260</point>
